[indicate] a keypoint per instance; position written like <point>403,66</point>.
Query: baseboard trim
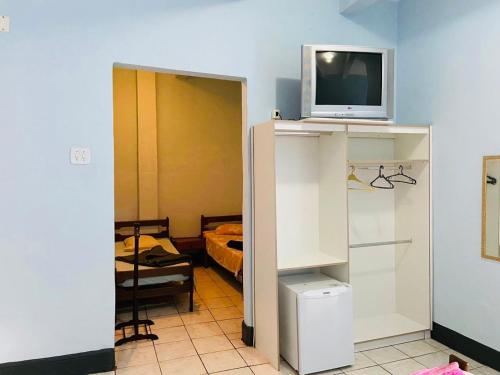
<point>471,348</point>
<point>71,364</point>
<point>246,334</point>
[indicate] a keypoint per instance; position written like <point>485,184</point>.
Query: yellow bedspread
<point>217,248</point>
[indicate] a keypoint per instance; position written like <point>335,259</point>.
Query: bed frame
<point>205,222</point>
<point>158,292</point>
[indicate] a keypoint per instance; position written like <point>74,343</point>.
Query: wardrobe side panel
<point>265,264</point>
<point>339,272</point>
<point>333,222</point>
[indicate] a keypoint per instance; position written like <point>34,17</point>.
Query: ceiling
<point>354,6</point>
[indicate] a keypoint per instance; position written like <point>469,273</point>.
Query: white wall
<point>56,91</point>
<point>448,74</point>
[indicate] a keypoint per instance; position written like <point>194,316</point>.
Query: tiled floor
<point>400,359</point>
<point>207,341</point>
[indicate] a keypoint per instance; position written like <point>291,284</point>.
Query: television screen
<point>348,78</point>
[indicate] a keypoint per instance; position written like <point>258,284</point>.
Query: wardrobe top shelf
<point>307,260</point>
<point>351,129</point>
<point>356,124</point>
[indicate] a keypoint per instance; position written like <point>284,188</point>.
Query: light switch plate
<point>4,24</point>
<point>80,155</point>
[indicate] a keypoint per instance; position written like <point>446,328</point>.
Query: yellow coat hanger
<point>354,183</point>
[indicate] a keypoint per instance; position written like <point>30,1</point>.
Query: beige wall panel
<point>147,145</point>
<point>199,150</point>
<point>125,143</point>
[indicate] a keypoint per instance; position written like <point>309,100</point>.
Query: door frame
<point>247,186</point>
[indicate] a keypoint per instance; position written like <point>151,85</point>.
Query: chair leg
<point>191,302</point>
<point>191,293</point>
<point>464,365</point>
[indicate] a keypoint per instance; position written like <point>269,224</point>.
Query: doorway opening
<point>180,151</point>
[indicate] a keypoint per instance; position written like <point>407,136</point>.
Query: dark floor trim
<point>246,334</point>
<point>477,351</point>
<point>72,364</point>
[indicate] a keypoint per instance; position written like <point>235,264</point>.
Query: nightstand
<point>194,246</point>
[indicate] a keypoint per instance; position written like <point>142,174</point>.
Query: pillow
<point>145,242</point>
<point>230,229</point>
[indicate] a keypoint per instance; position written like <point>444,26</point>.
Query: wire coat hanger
<point>401,177</point>
<point>362,186</point>
<point>381,178</point>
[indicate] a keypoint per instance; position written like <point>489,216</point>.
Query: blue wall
<point>448,74</point>
<point>56,92</point>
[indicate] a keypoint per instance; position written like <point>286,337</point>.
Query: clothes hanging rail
<point>375,168</point>
<point>381,243</point>
<point>388,164</point>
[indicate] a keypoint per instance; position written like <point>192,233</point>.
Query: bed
<point>155,283</point>
<point>216,244</point>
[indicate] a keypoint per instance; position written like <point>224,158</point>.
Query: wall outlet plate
<point>4,24</point>
<point>80,155</point>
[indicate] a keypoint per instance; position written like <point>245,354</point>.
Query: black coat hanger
<point>386,184</point>
<point>401,177</point>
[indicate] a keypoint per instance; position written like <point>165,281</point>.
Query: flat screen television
<point>347,82</point>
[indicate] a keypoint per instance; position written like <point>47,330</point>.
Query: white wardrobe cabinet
<point>306,220</point>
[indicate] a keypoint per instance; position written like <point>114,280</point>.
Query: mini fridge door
<point>325,329</point>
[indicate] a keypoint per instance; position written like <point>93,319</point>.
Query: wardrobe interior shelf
<point>308,260</point>
<point>385,325</point>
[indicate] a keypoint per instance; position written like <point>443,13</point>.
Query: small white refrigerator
<point>316,322</point>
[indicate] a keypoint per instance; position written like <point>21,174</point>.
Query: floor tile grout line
<point>437,350</point>
<point>154,346</point>
<point>244,360</point>
<point>192,343</point>
<point>231,369</point>
<point>199,357</point>
<point>198,354</point>
<point>362,368</point>
<point>399,360</point>
<point>223,350</point>
<point>219,351</point>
